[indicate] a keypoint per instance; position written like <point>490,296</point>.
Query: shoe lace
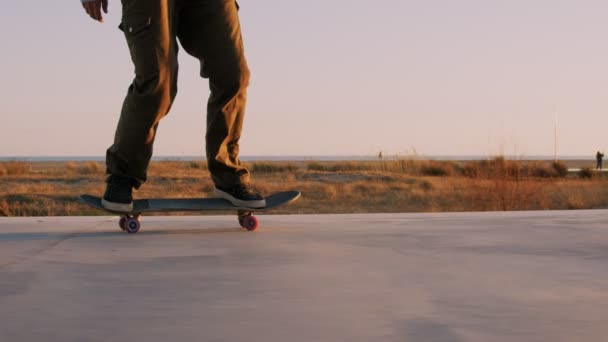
<point>247,189</point>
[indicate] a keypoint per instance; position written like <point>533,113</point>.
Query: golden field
<point>408,185</point>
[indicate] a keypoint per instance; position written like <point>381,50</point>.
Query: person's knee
<point>232,79</point>
<point>242,78</point>
<point>162,84</point>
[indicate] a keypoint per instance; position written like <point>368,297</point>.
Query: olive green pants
<point>210,31</point>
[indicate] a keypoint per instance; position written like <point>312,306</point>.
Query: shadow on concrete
<point>142,233</point>
<point>427,330</point>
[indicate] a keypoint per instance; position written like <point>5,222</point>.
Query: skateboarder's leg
<point>148,29</point>
<point>210,31</point>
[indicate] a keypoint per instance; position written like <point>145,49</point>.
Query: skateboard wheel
<point>241,215</point>
<point>249,222</point>
<point>132,225</point>
<point>121,223</point>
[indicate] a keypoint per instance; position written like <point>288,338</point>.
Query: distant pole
<point>555,134</point>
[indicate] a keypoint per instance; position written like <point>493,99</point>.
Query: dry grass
<point>85,168</point>
<point>328,187</point>
<point>12,168</point>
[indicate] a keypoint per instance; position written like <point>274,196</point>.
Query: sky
<point>432,77</point>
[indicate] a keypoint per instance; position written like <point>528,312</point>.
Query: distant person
<point>210,31</point>
<point>380,155</point>
<point>598,157</point>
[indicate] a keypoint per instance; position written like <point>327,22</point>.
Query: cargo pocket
<point>135,24</point>
<point>143,44</point>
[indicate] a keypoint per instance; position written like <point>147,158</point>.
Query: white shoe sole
<point>120,207</point>
<point>240,203</point>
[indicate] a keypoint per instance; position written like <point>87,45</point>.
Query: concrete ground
<point>527,276</point>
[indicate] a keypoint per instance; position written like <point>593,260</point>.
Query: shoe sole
<point>240,203</point>
<point>120,207</point>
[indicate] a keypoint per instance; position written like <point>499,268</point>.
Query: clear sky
<point>329,77</point>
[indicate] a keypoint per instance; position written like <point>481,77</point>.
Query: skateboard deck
<point>130,221</point>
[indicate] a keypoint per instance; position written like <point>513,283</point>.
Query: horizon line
<point>327,157</point>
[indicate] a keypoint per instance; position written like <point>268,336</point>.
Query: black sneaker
<point>119,194</point>
<point>242,195</point>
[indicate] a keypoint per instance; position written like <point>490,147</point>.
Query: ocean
<point>293,158</point>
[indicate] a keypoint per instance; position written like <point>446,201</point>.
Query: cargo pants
<point>209,30</point>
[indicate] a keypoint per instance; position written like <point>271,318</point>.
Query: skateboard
<point>130,222</point>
